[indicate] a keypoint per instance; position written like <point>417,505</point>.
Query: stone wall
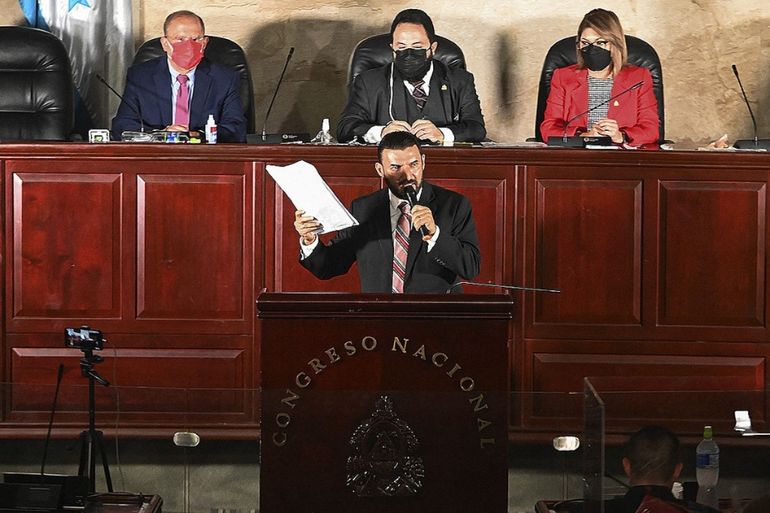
<point>504,42</point>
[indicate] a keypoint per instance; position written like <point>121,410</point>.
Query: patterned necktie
<point>401,247</point>
<point>182,102</point>
<point>420,98</point>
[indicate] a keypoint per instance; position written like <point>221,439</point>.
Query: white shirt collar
<point>425,79</point>
<point>174,73</point>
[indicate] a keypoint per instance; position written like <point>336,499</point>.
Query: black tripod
<point>92,440</point>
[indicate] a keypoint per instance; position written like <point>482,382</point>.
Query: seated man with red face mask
<point>180,90</point>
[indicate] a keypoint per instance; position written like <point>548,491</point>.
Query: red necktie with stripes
<point>401,247</point>
<point>182,102</point>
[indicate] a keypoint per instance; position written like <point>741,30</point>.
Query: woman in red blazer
<point>602,72</point>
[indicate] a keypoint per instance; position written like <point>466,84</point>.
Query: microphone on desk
<point>137,110</point>
<point>754,143</point>
<point>411,196</point>
<point>501,286</point>
<point>264,137</point>
<point>578,141</point>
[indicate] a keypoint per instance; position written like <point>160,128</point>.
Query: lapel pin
<point>444,87</point>
<point>616,104</point>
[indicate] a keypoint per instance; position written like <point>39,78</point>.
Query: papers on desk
<point>309,192</point>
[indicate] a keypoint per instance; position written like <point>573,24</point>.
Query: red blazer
<point>636,111</point>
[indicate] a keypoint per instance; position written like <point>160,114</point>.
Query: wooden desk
<point>661,256</point>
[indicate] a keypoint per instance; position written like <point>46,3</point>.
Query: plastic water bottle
<point>707,469</point>
<point>211,130</point>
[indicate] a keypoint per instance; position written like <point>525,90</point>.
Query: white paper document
<point>309,192</point>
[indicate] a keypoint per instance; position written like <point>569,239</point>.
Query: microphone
<point>411,195</point>
<point>578,141</point>
<point>137,110</point>
<point>755,143</point>
<point>59,376</point>
<point>275,93</point>
<point>500,286</point>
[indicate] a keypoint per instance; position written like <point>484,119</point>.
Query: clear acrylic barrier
<point>222,473</point>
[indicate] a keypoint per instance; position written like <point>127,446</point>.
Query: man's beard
<point>397,188</point>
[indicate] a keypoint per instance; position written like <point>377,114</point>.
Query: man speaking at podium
<point>400,245</point>
<point>180,90</point>
<point>415,93</point>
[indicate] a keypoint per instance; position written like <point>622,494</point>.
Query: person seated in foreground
<point>652,463</point>
<point>416,93</point>
<point>392,254</point>
<point>602,72</point>
<point>178,91</point>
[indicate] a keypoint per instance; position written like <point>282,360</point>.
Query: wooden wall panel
<point>661,257</point>
<point>161,383</point>
<point>191,247</point>
<point>290,275</point>
<point>712,253</point>
<point>65,253</point>
<point>643,388</point>
<point>492,218</point>
<point>588,244</point>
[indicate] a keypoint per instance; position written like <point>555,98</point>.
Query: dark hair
<point>181,14</point>
<point>416,16</point>
<point>653,452</point>
<point>396,141</point>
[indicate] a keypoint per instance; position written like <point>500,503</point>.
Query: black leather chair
<point>563,53</point>
<point>375,51</point>
<point>36,89</point>
<point>221,51</point>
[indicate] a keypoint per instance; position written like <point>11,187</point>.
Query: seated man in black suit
<point>392,255</point>
<point>180,90</point>
<point>652,463</point>
<point>416,93</point>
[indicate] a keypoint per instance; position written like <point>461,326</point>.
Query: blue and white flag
<point>99,39</point>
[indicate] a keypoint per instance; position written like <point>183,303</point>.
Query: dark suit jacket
<point>456,252</point>
<point>631,501</point>
<point>148,90</point>
<point>452,103</point>
<point>636,111</point>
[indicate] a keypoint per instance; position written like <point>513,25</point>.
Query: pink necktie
<point>182,102</point>
<point>401,247</point>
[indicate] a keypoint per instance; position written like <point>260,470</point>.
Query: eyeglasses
<point>197,39</point>
<point>418,46</point>
<point>601,43</point>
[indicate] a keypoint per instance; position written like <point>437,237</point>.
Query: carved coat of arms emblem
<point>384,460</point>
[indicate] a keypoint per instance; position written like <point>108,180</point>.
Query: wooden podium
<point>384,403</point>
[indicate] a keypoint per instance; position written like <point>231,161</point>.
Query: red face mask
<point>187,54</point>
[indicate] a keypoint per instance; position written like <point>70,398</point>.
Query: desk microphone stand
<point>92,440</point>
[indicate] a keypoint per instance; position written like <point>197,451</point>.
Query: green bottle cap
<point>708,432</point>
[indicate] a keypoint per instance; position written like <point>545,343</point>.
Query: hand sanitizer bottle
<point>211,130</point>
<point>324,136</point>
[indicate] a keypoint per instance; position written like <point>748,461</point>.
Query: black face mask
<point>412,64</point>
<point>596,58</point>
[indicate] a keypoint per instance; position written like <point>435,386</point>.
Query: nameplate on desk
<point>578,141</point>
<point>288,137</point>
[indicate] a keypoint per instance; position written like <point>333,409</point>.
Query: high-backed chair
<point>375,51</point>
<point>563,53</point>
<point>36,89</point>
<point>221,51</point>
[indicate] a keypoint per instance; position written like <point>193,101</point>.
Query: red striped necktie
<point>401,247</point>
<point>182,116</point>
